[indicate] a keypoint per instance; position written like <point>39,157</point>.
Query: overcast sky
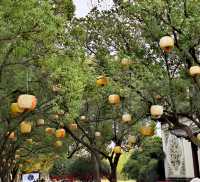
<point>84,6</point>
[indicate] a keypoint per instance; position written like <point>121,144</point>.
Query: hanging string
<point>27,81</point>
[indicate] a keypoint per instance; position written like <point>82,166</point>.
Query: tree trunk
<point>113,175</point>
<point>96,167</point>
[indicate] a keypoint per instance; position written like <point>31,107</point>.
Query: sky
<point>83,7</point>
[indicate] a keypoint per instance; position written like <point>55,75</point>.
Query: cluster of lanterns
<point>24,103</point>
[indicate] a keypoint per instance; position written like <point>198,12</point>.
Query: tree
<point>30,36</point>
<point>146,163</point>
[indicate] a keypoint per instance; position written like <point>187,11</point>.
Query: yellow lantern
<point>156,111</point>
<point>102,81</point>
<point>50,131</point>
<point>147,130</point>
<point>97,134</point>
<point>167,43</point>
<point>40,122</point>
<point>27,101</point>
<point>198,136</point>
<point>25,127</point>
<point>117,150</point>
<point>114,99</point>
<point>60,133</point>
<point>58,143</point>
<point>29,141</point>
<point>194,71</point>
<point>126,118</point>
<point>15,109</point>
<point>125,62</point>
<point>132,139</point>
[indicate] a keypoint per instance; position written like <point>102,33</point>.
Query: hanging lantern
<point>29,141</point>
<point>156,111</point>
<point>114,99</point>
<point>194,71</point>
<point>27,101</point>
<point>12,135</point>
<point>166,43</point>
<point>73,126</point>
<point>15,109</point>
<point>158,97</point>
<point>40,122</point>
<point>25,127</point>
<point>117,150</point>
<point>102,81</point>
<point>50,131</point>
<point>147,130</point>
<point>83,118</point>
<point>198,136</point>
<point>125,62</point>
<point>97,134</point>
<point>60,133</point>
<point>132,139</point>
<point>126,118</point>
<point>17,156</point>
<point>58,143</point>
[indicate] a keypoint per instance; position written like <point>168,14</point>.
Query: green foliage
<point>143,164</point>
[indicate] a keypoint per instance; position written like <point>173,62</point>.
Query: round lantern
<point>40,122</point>
<point>17,156</point>
<point>158,97</point>
<point>132,139</point>
<point>156,111</point>
<point>58,143</point>
<point>114,99</point>
<point>147,131</point>
<point>166,43</point>
<point>73,126</point>
<point>194,71</point>
<point>117,150</point>
<point>97,134</point>
<point>15,109</point>
<point>83,118</point>
<point>198,136</point>
<point>50,131</point>
<point>102,81</point>
<point>25,127</point>
<point>27,101</point>
<point>12,135</point>
<point>126,118</point>
<point>29,141</point>
<point>60,133</point>
<point>125,62</point>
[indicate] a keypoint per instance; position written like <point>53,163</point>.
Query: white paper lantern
<point>97,134</point>
<point>166,43</point>
<point>194,70</point>
<point>27,101</point>
<point>126,118</point>
<point>156,110</point>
